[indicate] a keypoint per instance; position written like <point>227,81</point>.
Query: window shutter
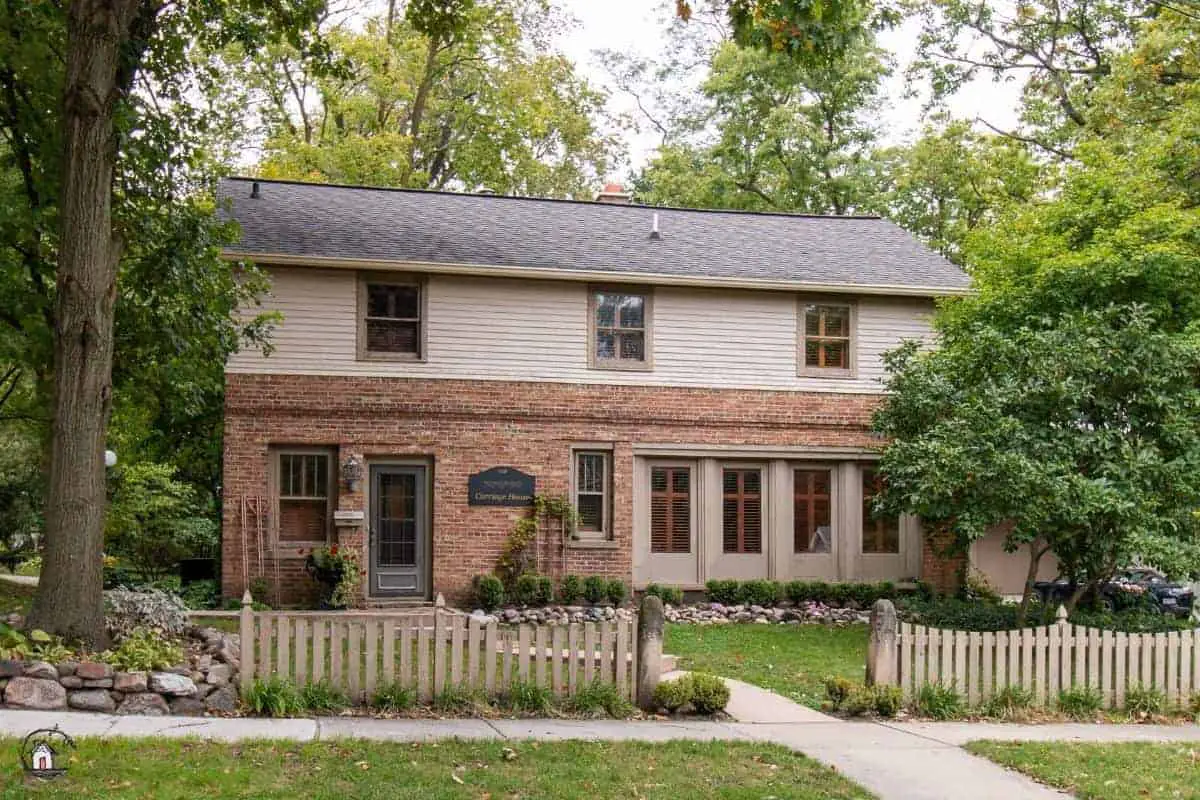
<point>670,510</point>
<point>741,523</point>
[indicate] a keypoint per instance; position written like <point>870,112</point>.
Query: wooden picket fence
<point>433,649</point>
<point>1047,660</point>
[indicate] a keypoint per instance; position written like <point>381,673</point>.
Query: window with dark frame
<point>812,517</point>
<point>741,523</point>
<point>304,497</point>
<point>880,532</point>
<point>593,492</point>
<point>827,337</point>
<point>670,509</point>
<point>619,323</point>
<point>392,319</point>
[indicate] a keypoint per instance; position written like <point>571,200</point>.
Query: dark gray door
<point>399,534</point>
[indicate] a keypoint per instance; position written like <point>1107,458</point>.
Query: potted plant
<point>336,570</point>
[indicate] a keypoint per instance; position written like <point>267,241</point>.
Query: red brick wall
<point>940,566</point>
<point>463,427</point>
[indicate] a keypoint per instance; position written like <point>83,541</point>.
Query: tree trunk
<point>1035,559</point>
<point>69,601</point>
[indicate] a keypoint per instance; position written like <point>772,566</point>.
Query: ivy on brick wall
<point>514,558</point>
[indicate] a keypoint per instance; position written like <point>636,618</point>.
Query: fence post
<point>649,650</point>
<point>882,646</point>
<point>246,643</point>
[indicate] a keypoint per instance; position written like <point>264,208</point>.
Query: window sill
<point>591,544</point>
<point>407,358</point>
<point>617,366</point>
<point>836,374</point>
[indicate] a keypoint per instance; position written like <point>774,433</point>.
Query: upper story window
<point>827,339</point>
<point>304,495</point>
<point>880,533</point>
<point>620,329</point>
<point>390,319</point>
<point>593,493</point>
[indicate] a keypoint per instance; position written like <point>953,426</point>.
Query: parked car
<point>1128,588</point>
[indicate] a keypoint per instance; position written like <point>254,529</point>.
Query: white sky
<point>634,27</point>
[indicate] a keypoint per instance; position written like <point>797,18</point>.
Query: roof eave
<point>611,276</point>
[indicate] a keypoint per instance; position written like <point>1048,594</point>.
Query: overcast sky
<point>634,26</point>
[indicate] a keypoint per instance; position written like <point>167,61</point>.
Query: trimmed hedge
<point>768,593</point>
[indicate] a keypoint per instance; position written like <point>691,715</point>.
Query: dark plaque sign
<point>500,486</point>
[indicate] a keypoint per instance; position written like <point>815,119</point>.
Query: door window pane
<point>397,534</point>
<point>880,533</point>
<point>812,517</point>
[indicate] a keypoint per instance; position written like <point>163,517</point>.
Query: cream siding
<point>514,329</point>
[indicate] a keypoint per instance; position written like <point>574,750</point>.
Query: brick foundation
<point>463,427</point>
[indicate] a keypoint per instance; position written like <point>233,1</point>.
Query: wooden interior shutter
<point>670,510</point>
<point>741,517</point>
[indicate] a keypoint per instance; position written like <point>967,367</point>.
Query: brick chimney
<point>614,193</point>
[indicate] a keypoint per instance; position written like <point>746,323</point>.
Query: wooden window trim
<point>645,365</point>
<point>740,496</point>
<point>811,499</point>
<point>606,532</point>
<point>274,455</point>
<point>693,471</point>
<point>876,528</point>
<point>393,279</point>
<point>805,371</point>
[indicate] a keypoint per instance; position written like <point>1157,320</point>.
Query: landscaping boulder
<point>144,703</point>
<point>41,669</point>
<point>71,682</point>
<point>224,700</point>
<point>203,690</point>
<point>187,706</point>
<point>66,668</point>
<point>220,674</point>
<point>91,671</point>
<point>99,683</point>
<point>130,681</point>
<point>91,700</point>
<point>172,684</point>
<point>35,693</point>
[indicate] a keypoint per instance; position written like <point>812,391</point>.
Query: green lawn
<point>792,660</point>
<point>1104,771</point>
<point>15,597</point>
<point>183,770</point>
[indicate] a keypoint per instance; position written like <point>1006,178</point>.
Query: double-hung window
<point>620,329</point>
<point>390,324</point>
<point>827,339</point>
<point>593,493</point>
<point>305,495</point>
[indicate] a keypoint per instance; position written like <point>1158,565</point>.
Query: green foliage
<point>570,592</point>
<point>1144,701</point>
<point>938,701</point>
<point>1194,703</point>
<point>975,615</point>
<point>126,611</point>
<point>615,591</point>
<point>837,689</point>
<point>527,697</point>
<point>525,590</point>
<point>457,700</point>
<point>709,694</point>
<point>1080,702</point>
<point>670,595</point>
<point>36,644</point>
<point>338,572</point>
<point>888,700</point>
<point>274,697</point>
<point>393,697</point>
<point>600,697</point>
<point>725,592</point>
<point>489,592</point>
<point>514,558</point>
<point>761,592</point>
<point>543,593</point>
<point>595,589</point>
<point>201,595</point>
<point>1008,703</point>
<point>323,697</point>
<point>145,650</point>
<point>673,694</point>
<point>855,699</point>
<point>30,567</point>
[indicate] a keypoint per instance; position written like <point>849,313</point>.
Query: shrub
<point>527,697</point>
<point>571,590</point>
<point>760,593</point>
<point>1008,702</point>
<point>392,697</point>
<point>855,699</point>
<point>543,593</point>
<point>709,693</point>
<point>36,644</point>
<point>938,701</point>
<point>725,592</point>
<point>489,592</point>
<point>1080,702</point>
<point>525,589</point>
<point>595,588</point>
<point>1194,703</point>
<point>126,611</point>
<point>337,571</point>
<point>323,697</point>
<point>801,591</point>
<point>201,595</point>
<point>274,697</point>
<point>615,592</point>
<point>860,700</point>
<point>837,689</point>
<point>670,595</point>
<point>838,594</point>
<point>1144,701</point>
<point>143,651</point>
<point>456,700</point>
<point>673,695</point>
<point>962,615</point>
<point>888,700</point>
<point>598,697</point>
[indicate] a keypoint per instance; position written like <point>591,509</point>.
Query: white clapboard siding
<point>514,329</point>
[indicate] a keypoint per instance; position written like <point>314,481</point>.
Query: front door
<point>399,532</point>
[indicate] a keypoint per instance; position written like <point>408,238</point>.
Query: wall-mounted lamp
<point>352,472</point>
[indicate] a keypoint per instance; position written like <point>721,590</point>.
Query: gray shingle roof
<point>299,220</point>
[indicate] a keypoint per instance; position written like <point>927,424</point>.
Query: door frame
<point>425,521</point>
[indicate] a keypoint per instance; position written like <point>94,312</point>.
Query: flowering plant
<point>336,569</point>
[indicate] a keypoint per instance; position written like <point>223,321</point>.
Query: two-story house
<point>699,384</point>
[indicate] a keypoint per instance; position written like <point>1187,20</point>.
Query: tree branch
<point>1058,151</point>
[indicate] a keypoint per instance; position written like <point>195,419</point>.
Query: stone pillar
<point>882,664</point>
<point>650,648</point>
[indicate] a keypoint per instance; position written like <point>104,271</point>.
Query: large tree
<point>104,119</point>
